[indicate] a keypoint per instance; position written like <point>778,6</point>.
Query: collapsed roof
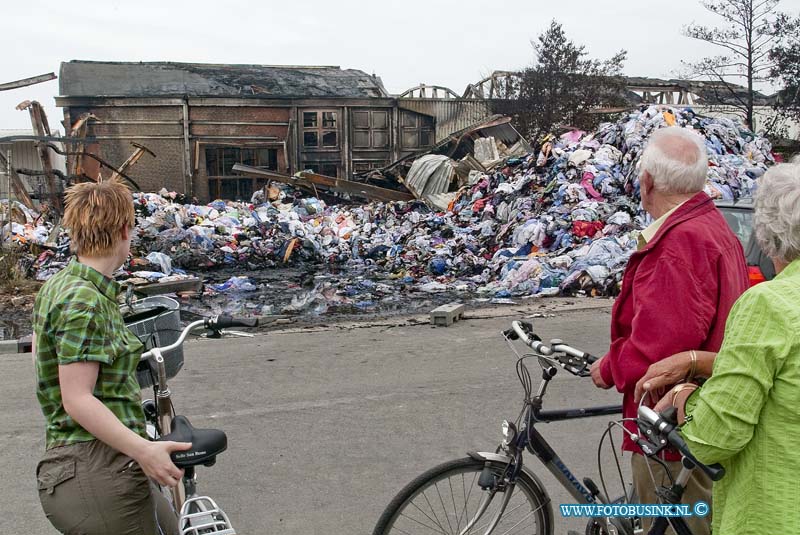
<point>161,79</point>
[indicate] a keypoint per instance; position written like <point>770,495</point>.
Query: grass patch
<point>12,279</point>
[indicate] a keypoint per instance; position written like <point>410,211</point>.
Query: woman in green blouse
<point>746,416</point>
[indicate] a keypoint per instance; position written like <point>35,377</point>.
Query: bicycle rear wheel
<point>446,498</point>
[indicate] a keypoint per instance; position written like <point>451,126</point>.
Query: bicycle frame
<point>531,440</point>
<point>165,415</point>
<point>197,514</point>
<point>535,443</point>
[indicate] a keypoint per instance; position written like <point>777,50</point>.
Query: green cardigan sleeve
<point>722,415</point>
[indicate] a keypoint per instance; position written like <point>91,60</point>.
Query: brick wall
<point>165,140</point>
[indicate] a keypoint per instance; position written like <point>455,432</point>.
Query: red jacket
<point>676,294</point>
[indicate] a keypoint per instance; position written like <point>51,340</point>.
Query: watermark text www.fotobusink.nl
<point>633,509</point>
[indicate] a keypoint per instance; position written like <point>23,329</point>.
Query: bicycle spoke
<point>512,528</point>
<point>507,513</point>
<point>465,512</point>
<point>444,509</point>
<point>455,511</point>
<point>438,522</point>
<point>426,515</point>
<point>422,524</point>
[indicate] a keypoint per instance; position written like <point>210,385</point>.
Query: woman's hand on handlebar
<point>676,397</point>
<point>156,462</point>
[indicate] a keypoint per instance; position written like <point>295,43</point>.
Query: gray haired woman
<point>745,416</point>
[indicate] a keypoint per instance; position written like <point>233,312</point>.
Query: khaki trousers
<point>698,488</point>
<point>89,488</point>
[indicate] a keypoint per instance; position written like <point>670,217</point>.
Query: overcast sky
<point>449,43</point>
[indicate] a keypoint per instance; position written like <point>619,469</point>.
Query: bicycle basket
<point>156,321</point>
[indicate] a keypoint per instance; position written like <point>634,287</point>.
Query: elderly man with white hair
<point>746,415</point>
<point>677,291</point>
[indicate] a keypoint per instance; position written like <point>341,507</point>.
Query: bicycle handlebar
<point>223,322</point>
<point>557,348</point>
<point>670,432</point>
<point>215,323</point>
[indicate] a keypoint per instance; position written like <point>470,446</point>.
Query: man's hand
<point>662,374</point>
<point>596,377</point>
<point>156,463</point>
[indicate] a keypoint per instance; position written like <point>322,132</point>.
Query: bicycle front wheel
<point>447,499</point>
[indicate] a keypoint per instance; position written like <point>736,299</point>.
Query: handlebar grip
<point>714,471</point>
<point>591,359</point>
<point>519,329</point>
<point>224,322</point>
<point>662,423</point>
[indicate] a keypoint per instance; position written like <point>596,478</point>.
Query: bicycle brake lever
<point>236,333</point>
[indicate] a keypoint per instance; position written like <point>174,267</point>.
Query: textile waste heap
<point>563,220</point>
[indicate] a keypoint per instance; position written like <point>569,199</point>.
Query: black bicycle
<point>495,493</point>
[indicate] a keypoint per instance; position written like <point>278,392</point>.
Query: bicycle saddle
<point>206,443</point>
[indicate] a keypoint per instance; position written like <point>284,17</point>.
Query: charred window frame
<point>320,129</point>
<point>416,131</point>
<point>363,166</point>
<point>371,129</point>
<point>323,168</point>
<point>220,160</point>
<point>223,183</point>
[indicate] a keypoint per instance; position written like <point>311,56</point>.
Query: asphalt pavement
<point>325,425</point>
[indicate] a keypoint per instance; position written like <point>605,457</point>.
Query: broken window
<point>329,139</point>
<point>310,139</point>
<point>320,129</point>
<point>370,129</point>
<point>310,119</point>
<point>363,166</point>
<point>223,183</point>
<point>323,168</point>
<point>416,130</point>
<point>220,160</point>
<point>234,189</point>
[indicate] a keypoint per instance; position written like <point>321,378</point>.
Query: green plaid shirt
<point>746,415</point>
<point>76,318</point>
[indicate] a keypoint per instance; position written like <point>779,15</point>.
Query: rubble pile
<point>563,220</point>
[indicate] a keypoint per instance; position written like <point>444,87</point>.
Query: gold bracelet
<point>680,388</point>
<point>692,366</point>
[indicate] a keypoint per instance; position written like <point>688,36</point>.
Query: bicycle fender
<point>487,456</point>
<point>499,457</point>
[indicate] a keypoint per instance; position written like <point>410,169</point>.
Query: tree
<point>563,86</point>
<point>752,29</point>
<point>787,69</point>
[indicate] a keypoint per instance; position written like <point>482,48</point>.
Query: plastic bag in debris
<point>235,284</point>
<point>162,260</point>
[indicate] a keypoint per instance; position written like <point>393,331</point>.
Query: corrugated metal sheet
<point>23,154</point>
<point>451,114</point>
<point>429,175</point>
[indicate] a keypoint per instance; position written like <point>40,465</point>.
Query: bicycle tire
<point>394,520</point>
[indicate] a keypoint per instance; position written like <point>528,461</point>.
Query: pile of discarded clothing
<point>561,220</point>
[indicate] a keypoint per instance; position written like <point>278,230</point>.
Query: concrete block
<point>448,314</point>
<point>8,346</point>
<point>25,344</point>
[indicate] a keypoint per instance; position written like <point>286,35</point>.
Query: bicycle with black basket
<point>496,493</point>
<point>198,514</point>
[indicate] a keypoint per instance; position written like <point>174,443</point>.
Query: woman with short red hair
<point>94,476</point>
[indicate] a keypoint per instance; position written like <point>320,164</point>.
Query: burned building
<point>201,119</point>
